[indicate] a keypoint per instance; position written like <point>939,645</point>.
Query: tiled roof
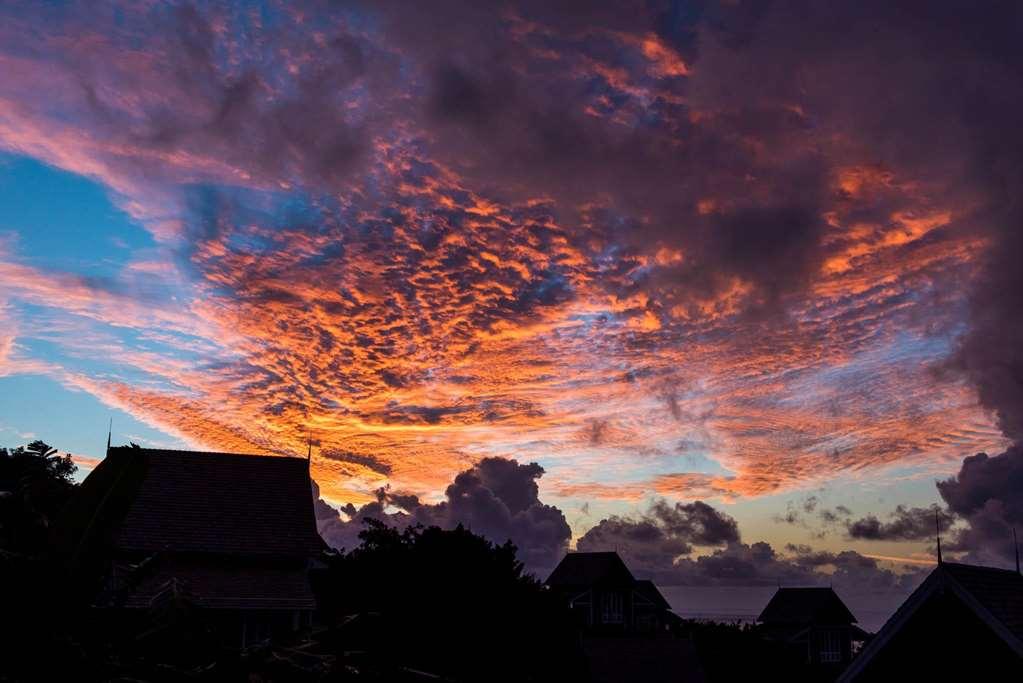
<point>1000,591</point>
<point>220,503</point>
<point>806,606</point>
<point>994,595</point>
<point>588,569</point>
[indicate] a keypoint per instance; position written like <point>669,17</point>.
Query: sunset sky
<point>737,252</point>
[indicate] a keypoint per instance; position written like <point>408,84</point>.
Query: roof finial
<point>937,532</point>
<point>1015,544</point>
<point>110,433</point>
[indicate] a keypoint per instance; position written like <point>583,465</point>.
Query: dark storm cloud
<point>496,498</point>
<point>659,546</point>
<point>663,533</point>
<point>367,461</point>
<point>304,132</point>
<point>991,353</point>
<point>986,496</point>
<point>902,524</point>
<point>987,492</point>
<point>905,524</point>
<point>323,510</point>
<point>810,514</point>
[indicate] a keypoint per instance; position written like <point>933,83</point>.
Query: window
<point>831,646</point>
<point>611,604</point>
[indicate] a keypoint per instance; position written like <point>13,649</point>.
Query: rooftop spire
<point>937,532</point>
<point>110,433</point>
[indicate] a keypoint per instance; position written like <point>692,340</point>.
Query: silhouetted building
<point>231,535</point>
<point>963,623</point>
<point>605,596</point>
<point>813,621</point>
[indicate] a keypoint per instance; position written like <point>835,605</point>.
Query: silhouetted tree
<point>35,483</point>
<point>447,602</point>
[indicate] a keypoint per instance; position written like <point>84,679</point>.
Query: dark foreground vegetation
<point>413,605</point>
<point>423,604</point>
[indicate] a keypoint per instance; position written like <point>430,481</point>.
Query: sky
<point>759,257</point>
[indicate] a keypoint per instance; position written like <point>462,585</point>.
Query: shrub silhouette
<point>447,602</point>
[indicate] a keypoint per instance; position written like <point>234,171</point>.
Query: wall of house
<point>824,639</point>
<point>637,614</point>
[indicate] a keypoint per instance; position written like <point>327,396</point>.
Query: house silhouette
<point>605,596</point>
<point>231,535</point>
<point>963,623</point>
<point>815,622</point>
<point>627,630</point>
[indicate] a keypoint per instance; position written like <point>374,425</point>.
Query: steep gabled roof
<point>806,606</point>
<point>648,590</point>
<point>999,591</point>
<point>994,595</point>
<point>589,569</point>
<point>191,502</point>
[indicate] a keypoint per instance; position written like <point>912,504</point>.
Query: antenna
<point>1016,546</point>
<point>937,532</point>
<point>110,432</point>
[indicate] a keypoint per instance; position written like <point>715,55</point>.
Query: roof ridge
<point>979,566</point>
<point>209,453</point>
<point>592,552</point>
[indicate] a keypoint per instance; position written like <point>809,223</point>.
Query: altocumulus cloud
<point>419,219</point>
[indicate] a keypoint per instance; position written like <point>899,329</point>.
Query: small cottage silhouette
<point>963,623</point>
<point>627,630</point>
<point>232,536</point>
<point>605,596</point>
<point>813,620</point>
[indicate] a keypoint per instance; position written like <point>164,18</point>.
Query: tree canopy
<point>451,603</point>
<point>35,484</point>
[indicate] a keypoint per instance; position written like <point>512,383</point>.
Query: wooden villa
<point>233,536</point>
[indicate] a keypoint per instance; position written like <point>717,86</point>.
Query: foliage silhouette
<point>450,603</point>
<point>35,484</point>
